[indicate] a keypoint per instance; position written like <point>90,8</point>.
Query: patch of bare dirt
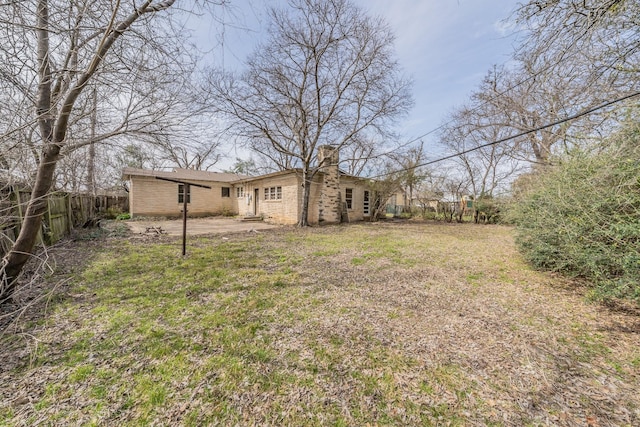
<point>197,226</point>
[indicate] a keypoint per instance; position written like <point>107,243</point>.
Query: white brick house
<point>277,197</point>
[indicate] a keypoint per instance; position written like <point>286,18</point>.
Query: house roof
<point>184,174</point>
<point>297,171</point>
<point>195,175</point>
<point>241,178</point>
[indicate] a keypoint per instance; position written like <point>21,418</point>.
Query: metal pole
<point>186,195</point>
<point>184,218</point>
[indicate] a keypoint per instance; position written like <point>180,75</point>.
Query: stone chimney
<point>329,208</point>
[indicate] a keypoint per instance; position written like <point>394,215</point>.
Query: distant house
<point>277,197</point>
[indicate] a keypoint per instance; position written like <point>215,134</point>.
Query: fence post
<point>69,213</point>
<point>46,223</point>
<point>82,218</point>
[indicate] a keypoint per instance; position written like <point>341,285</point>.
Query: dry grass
<point>378,324</point>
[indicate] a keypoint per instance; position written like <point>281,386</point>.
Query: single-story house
<point>277,197</point>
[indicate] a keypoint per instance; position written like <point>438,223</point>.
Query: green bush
<point>112,212</point>
<point>430,215</point>
<point>487,209</point>
<point>123,216</point>
<point>581,217</point>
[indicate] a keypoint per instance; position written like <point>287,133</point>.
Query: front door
<point>256,197</point>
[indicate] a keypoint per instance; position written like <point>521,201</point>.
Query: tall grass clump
<point>581,217</point>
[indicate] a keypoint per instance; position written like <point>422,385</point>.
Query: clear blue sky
<point>446,46</point>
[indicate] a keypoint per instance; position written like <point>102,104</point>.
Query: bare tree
<point>588,50</point>
<point>577,54</point>
<point>429,191</point>
<point>192,144</point>
<point>355,156</point>
<point>326,75</point>
<point>598,35</point>
<point>518,100</point>
<point>409,163</point>
<point>486,168</point>
<point>388,182</point>
<point>56,50</point>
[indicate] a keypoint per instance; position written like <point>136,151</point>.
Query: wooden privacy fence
<point>65,211</point>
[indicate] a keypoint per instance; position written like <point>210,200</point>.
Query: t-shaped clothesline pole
<point>185,196</point>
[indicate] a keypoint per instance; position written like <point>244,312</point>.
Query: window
<point>365,204</point>
<point>181,194</point>
<point>226,192</point>
<point>273,193</point>
<point>239,192</point>
<point>348,197</point>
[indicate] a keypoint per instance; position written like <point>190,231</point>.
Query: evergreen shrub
<point>581,217</point>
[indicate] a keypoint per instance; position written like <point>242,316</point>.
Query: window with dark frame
<point>365,204</point>
<point>181,194</point>
<point>273,193</point>
<point>226,192</point>
<point>348,197</point>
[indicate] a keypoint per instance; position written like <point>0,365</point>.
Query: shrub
<point>429,215</point>
<point>582,217</point>
<point>226,212</point>
<point>487,209</point>
<point>112,212</point>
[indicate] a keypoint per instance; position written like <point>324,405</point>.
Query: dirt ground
<point>197,226</point>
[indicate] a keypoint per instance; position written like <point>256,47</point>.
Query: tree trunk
<point>53,126</point>
<point>303,220</point>
<point>18,255</point>
<point>20,252</point>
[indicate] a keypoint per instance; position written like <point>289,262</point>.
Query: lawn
<point>364,324</point>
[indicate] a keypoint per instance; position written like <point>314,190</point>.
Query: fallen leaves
<point>434,324</point>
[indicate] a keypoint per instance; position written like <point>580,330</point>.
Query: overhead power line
<point>476,108</point>
<point>499,141</point>
<point>569,53</point>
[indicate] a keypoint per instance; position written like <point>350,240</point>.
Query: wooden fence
<point>65,211</point>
